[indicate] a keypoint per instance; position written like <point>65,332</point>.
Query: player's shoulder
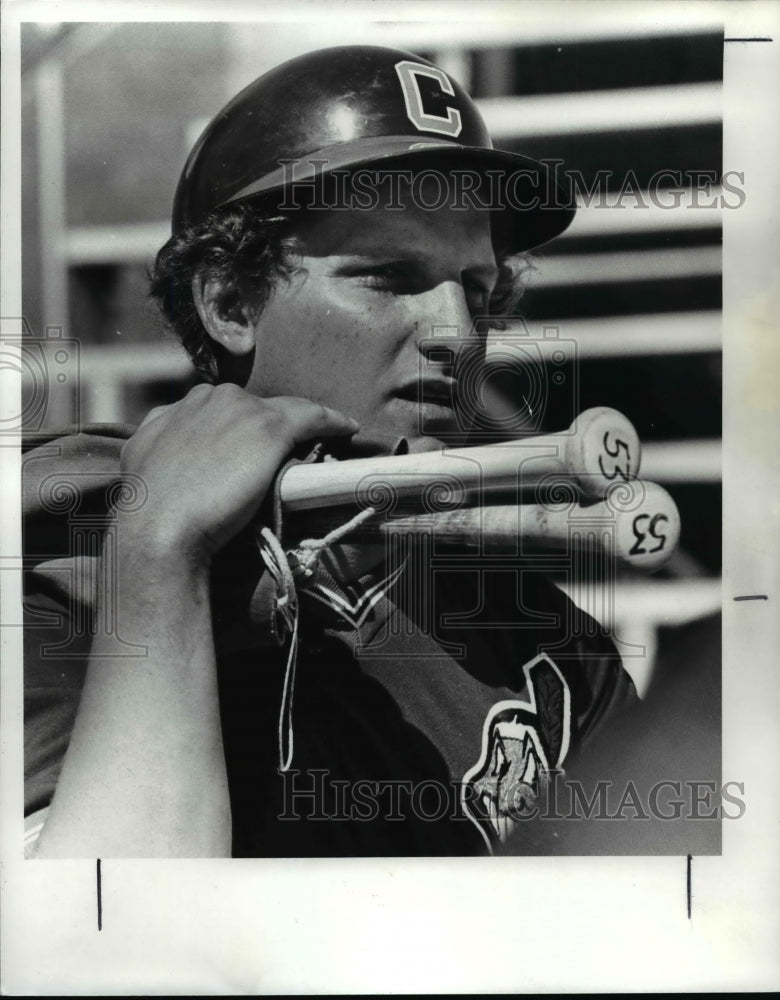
<point>588,658</point>
<point>582,650</point>
<point>81,456</point>
<point>68,476</point>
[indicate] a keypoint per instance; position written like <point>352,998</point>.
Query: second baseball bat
<point>643,533</point>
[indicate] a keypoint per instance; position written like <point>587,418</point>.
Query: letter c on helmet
<point>408,72</point>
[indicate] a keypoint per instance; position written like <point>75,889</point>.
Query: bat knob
<point>648,534</point>
<point>603,450</point>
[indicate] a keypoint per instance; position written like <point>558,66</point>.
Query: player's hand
<point>209,460</point>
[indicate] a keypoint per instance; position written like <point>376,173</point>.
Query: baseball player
<point>331,216</point>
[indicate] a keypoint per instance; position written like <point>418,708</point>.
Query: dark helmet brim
<point>528,203</point>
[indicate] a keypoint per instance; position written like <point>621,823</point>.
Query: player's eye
<point>394,277</point>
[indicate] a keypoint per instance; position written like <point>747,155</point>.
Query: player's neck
<point>348,562</point>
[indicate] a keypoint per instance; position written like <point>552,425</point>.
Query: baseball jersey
<point>429,695</point>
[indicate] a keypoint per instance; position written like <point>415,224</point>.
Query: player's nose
<point>448,328</point>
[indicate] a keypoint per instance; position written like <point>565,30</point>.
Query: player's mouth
<point>432,393</point>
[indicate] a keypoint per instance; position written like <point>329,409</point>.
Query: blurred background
<point>110,112</point>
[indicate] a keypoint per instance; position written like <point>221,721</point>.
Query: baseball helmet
<point>361,106</point>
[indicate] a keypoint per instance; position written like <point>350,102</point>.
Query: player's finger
<point>305,419</point>
<point>154,413</point>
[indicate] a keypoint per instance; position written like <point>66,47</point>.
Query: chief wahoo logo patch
<point>522,741</point>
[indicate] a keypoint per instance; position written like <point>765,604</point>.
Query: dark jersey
<point>429,698</point>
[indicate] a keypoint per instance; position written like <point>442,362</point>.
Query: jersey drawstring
<point>275,559</point>
<point>278,562</point>
<point>308,552</point>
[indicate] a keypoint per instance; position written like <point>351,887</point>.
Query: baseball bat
<point>642,530</point>
<point>600,448</point>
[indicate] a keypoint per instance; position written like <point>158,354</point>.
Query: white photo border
<point>561,924</point>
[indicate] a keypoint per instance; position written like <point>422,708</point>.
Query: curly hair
<point>251,246</point>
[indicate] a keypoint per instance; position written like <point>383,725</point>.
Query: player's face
<point>353,327</point>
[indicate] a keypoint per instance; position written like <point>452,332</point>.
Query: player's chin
<point>428,427</point>
<point>428,443</point>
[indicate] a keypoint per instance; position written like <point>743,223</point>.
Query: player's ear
<point>224,315</point>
